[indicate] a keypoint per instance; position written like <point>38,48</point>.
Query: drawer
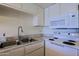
<point>33,47</point>
<point>39,52</point>
<point>14,52</point>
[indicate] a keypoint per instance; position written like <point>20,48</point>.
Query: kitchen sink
<point>23,40</point>
<point>26,40</point>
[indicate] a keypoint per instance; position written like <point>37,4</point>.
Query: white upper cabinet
<point>29,8</point>
<point>68,8</point>
<point>54,11</point>
<point>57,22</point>
<point>69,11</point>
<point>25,7</point>
<point>38,19</point>
<point>51,12</point>
<point>71,20</point>
<point>40,14</point>
<point>46,17</point>
<point>36,11</point>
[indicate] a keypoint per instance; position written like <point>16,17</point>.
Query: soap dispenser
<point>2,40</point>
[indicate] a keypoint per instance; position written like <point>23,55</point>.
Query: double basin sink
<point>21,41</point>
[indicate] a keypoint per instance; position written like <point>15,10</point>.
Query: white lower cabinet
<point>14,52</point>
<point>54,50</point>
<point>36,49</point>
<point>59,50</point>
<point>29,8</point>
<point>77,52</point>
<point>38,52</point>
<point>70,51</point>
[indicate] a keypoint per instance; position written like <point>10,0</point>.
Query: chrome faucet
<point>19,28</point>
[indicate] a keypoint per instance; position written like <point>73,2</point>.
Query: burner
<point>71,41</point>
<point>51,39</point>
<point>68,43</point>
<point>55,37</point>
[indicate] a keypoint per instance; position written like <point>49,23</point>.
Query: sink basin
<point>26,40</point>
<point>23,40</point>
<point>5,44</point>
<point>69,43</point>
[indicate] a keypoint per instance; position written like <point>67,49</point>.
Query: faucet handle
<point>3,34</point>
<point>18,42</point>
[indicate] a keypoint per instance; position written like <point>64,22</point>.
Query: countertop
<point>60,42</point>
<point>39,39</point>
<point>8,48</point>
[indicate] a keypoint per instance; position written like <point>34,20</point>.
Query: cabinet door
<point>3,54</point>
<point>70,51</point>
<point>54,11</point>
<point>33,47</point>
<point>54,50</point>
<point>29,8</point>
<point>77,52</point>
<point>40,14</point>
<point>57,22</point>
<point>39,52</point>
<point>68,7</point>
<point>14,52</point>
<point>38,20</point>
<point>71,20</point>
<point>59,50</point>
<point>74,20</point>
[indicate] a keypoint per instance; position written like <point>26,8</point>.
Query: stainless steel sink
<point>26,40</point>
<point>23,40</point>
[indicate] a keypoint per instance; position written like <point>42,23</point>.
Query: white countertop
<point>60,42</point>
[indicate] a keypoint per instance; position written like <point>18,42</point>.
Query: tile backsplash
<point>66,33</point>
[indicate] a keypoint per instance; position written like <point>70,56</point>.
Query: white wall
<point>9,22</point>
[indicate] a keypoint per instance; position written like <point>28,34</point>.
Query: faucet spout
<point>19,29</point>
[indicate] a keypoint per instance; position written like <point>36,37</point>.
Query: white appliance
<point>2,38</point>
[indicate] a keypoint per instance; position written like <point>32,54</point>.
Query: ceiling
<point>44,5</point>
